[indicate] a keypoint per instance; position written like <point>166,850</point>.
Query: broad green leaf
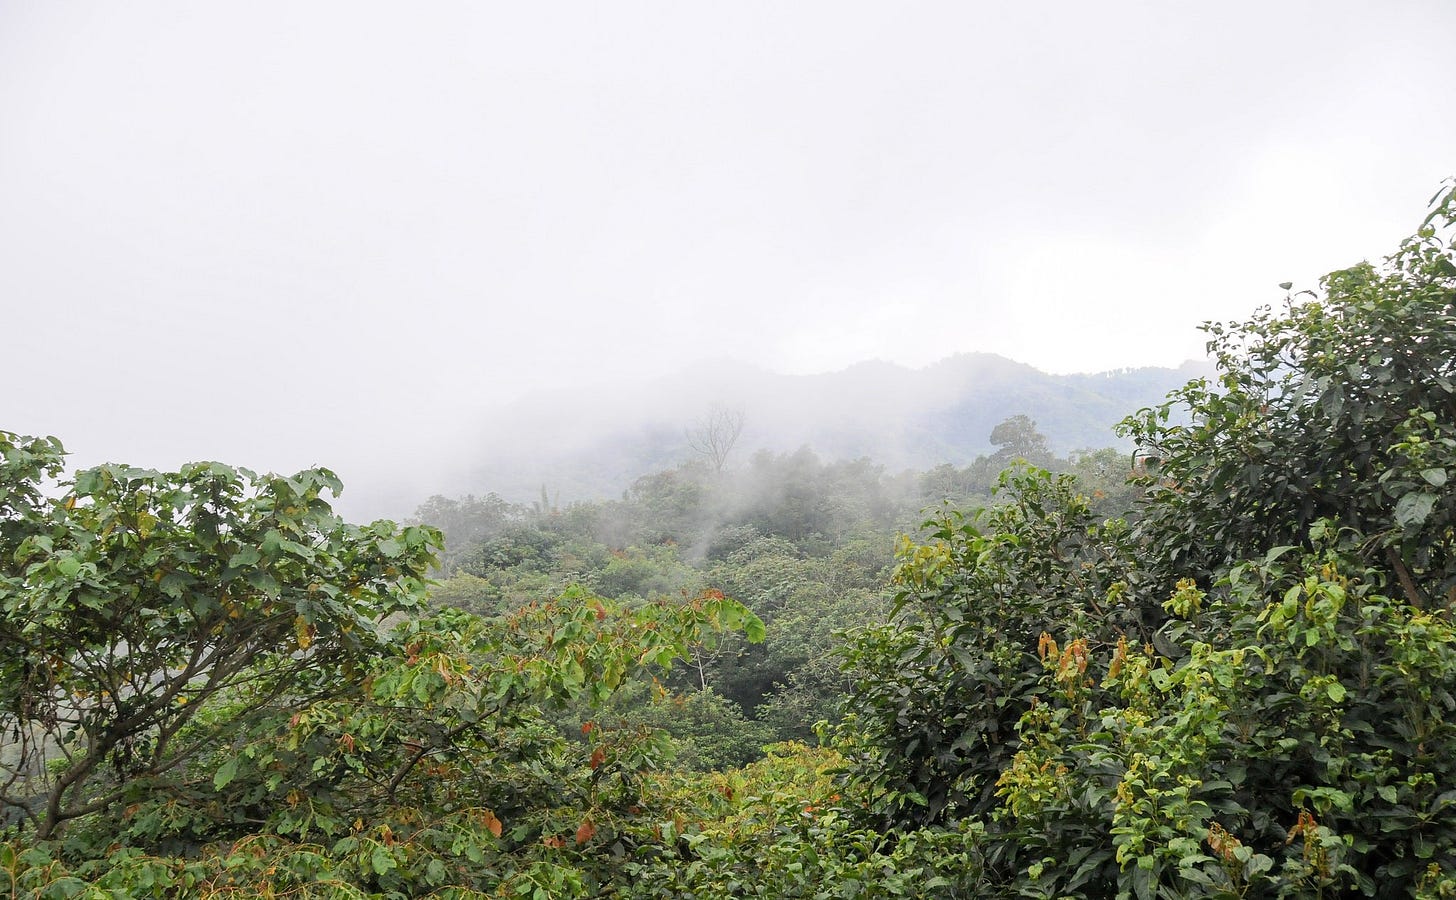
<point>247,556</point>
<point>381,860</point>
<point>1414,509</point>
<point>753,629</point>
<point>226,773</point>
<point>1275,553</point>
<point>435,872</point>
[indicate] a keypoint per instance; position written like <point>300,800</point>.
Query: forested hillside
<point>594,442</point>
<point>806,544</point>
<point>1220,665</point>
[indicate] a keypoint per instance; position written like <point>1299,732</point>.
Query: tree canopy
<point>1251,691</point>
<point>198,659</point>
<point>138,599</point>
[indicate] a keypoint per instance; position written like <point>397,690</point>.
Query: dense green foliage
<point>139,602</point>
<point>1249,692</point>
<point>211,681</point>
<point>942,687</point>
<point>806,544</point>
<point>1242,687</point>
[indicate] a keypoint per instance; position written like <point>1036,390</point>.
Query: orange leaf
<point>585,831</point>
<point>598,757</point>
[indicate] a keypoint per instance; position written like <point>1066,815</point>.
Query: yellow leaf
<point>304,632</point>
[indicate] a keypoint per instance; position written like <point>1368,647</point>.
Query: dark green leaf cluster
<point>1342,407</point>
<point>941,688</point>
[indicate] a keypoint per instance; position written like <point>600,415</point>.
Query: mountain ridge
<point>593,443</point>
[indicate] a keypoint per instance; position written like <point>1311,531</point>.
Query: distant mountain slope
<point>594,443</point>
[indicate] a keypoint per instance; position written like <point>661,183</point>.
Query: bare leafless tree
<point>715,434</point>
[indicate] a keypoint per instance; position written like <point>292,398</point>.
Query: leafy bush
<point>939,690</point>
<point>777,828</point>
<point>1251,692</point>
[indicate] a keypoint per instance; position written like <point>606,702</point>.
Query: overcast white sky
<point>285,233</point>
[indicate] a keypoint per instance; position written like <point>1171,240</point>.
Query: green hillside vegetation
<point>808,545</point>
<point>1232,677</point>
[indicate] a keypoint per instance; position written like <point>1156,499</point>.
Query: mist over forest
<point>1218,661</point>
<point>642,451</point>
<point>593,442</point>
<point>1220,664</point>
